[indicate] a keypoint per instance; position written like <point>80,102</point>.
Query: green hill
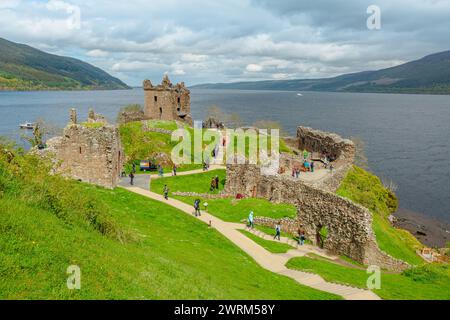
<point>25,68</point>
<point>430,74</point>
<point>127,246</point>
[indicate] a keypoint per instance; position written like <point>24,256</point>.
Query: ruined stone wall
<point>131,116</point>
<point>349,225</point>
<point>92,154</point>
<point>319,144</point>
<point>325,143</point>
<point>167,101</point>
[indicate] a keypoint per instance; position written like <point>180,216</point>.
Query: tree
<point>216,113</point>
<point>234,121</point>
<point>270,124</point>
<point>41,132</point>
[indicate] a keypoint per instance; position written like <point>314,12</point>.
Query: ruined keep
<point>167,101</point>
<point>90,152</point>
<point>349,225</point>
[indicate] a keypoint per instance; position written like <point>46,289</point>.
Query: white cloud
<point>280,76</point>
<point>253,67</point>
<point>97,53</point>
<point>8,4</point>
<point>190,57</point>
<point>178,72</point>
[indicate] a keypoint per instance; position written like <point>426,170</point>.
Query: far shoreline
<point>67,90</point>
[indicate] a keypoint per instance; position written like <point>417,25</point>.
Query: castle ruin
<point>90,152</point>
<point>349,225</point>
<point>167,101</point>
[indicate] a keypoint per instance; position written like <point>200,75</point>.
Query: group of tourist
<point>214,183</point>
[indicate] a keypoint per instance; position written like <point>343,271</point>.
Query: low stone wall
<point>201,195</point>
<point>131,116</point>
<point>288,225</point>
<point>349,225</point>
<point>145,127</point>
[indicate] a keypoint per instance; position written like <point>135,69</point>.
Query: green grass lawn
<point>162,124</point>
<point>425,282</point>
<point>227,209</point>
<point>271,246</point>
<point>366,189</point>
<point>199,182</point>
<point>127,246</point>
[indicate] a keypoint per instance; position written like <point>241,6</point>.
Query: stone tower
<point>167,101</point>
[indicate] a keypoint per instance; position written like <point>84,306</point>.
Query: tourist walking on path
<point>213,184</point>
<point>197,207</point>
<point>297,173</point>
<point>301,237</point>
<point>250,220</point>
<point>217,182</point>
<point>331,168</point>
<point>131,175</point>
<point>278,232</point>
<point>174,169</point>
<point>166,192</point>
<point>160,171</point>
<point>312,166</point>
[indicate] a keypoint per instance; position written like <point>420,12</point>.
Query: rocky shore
<point>429,231</point>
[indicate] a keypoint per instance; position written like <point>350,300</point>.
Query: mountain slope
<point>430,74</point>
<point>25,68</point>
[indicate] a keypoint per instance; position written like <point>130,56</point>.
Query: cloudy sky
<point>229,40</point>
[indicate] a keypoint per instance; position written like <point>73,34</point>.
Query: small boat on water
<point>27,125</point>
<point>299,94</point>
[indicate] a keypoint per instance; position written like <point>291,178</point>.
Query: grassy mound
<point>227,209</point>
<point>425,282</point>
<point>367,190</point>
<point>127,246</point>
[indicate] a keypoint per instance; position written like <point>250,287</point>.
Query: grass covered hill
<point>127,246</point>
<point>25,68</point>
<point>366,189</point>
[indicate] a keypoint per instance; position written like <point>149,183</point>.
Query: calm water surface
<point>406,136</point>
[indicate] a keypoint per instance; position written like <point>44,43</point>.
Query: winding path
<point>270,261</point>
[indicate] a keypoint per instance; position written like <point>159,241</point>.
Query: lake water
<point>407,137</point>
